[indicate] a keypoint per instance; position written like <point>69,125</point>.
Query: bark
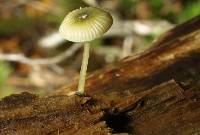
<point>154,93</point>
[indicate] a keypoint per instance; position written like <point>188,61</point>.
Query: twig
<point>142,28</point>
<point>127,46</point>
<point>51,41</point>
<point>46,61</point>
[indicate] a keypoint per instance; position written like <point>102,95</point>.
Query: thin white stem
<point>83,71</point>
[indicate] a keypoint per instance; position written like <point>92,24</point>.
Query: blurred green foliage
<point>69,5</point>
<point>164,10</point>
<point>14,25</point>
<point>127,8</point>
<point>127,4</point>
<point>191,10</point>
<point>96,43</point>
<point>5,72</point>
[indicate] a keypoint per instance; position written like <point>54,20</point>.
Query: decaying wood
<point>156,92</point>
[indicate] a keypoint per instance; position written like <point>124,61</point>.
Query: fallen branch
<point>47,61</point>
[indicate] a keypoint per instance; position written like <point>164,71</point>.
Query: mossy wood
<point>154,93</point>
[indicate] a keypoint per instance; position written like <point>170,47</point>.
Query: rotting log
<point>156,92</point>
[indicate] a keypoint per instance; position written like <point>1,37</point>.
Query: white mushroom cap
<point>85,24</point>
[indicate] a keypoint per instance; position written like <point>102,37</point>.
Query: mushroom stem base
<point>83,71</point>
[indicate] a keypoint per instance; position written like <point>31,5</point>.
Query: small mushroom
<point>84,25</point>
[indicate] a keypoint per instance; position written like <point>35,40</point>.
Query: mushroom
<point>84,25</point>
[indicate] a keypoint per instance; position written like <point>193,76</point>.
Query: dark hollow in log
<point>154,93</point>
